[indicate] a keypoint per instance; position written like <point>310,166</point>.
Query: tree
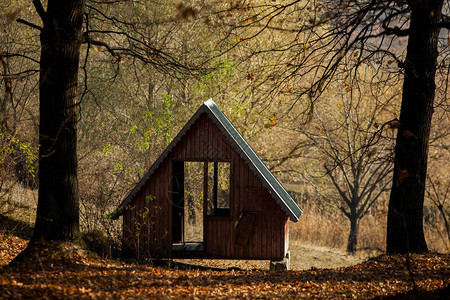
<point>18,99</point>
<point>405,216</point>
<point>58,201</point>
<point>354,148</point>
<point>338,37</point>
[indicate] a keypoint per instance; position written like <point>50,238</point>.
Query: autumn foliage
<point>59,275</point>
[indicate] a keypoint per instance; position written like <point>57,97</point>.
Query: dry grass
<point>331,231</point>
<point>315,228</point>
<point>436,236</point>
<point>372,232</point>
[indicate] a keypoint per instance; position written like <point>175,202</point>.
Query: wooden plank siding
<point>205,142</point>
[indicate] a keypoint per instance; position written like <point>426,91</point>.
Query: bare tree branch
<point>29,24</point>
<point>40,10</point>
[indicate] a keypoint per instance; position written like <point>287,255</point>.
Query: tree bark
<point>58,200</point>
<point>405,216</point>
<point>7,100</point>
<point>353,236</point>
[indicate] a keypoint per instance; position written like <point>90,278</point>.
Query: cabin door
<point>187,202</point>
<point>193,202</point>
<point>177,201</point>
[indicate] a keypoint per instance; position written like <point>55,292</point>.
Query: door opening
<point>199,189</point>
<point>177,201</point>
<point>193,199</point>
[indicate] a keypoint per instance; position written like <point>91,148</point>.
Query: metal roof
<point>277,191</point>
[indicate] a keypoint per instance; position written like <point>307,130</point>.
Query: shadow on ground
<point>15,227</point>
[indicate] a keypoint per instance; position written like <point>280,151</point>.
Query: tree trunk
<point>405,216</point>
<point>353,236</point>
<point>58,200</point>
<point>7,100</point>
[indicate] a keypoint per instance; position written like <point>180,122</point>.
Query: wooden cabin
<point>208,195</point>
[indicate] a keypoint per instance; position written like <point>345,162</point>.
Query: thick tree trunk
<point>353,236</point>
<point>405,216</point>
<point>58,202</point>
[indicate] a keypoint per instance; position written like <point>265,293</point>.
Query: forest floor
<point>317,273</point>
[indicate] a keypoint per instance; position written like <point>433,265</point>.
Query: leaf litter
<point>90,277</point>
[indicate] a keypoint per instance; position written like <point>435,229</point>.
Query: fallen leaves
<point>10,246</point>
<point>88,278</point>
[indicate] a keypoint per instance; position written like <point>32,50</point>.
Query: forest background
<point>137,88</point>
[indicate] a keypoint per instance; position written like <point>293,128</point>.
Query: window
<point>218,188</point>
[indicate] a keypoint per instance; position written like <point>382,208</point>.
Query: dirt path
<point>303,257</point>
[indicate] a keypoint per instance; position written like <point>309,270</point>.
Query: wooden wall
<point>147,222</point>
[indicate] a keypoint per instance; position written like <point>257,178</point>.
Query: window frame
<point>217,212</point>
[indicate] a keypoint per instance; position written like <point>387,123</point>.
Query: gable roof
<point>277,191</point>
